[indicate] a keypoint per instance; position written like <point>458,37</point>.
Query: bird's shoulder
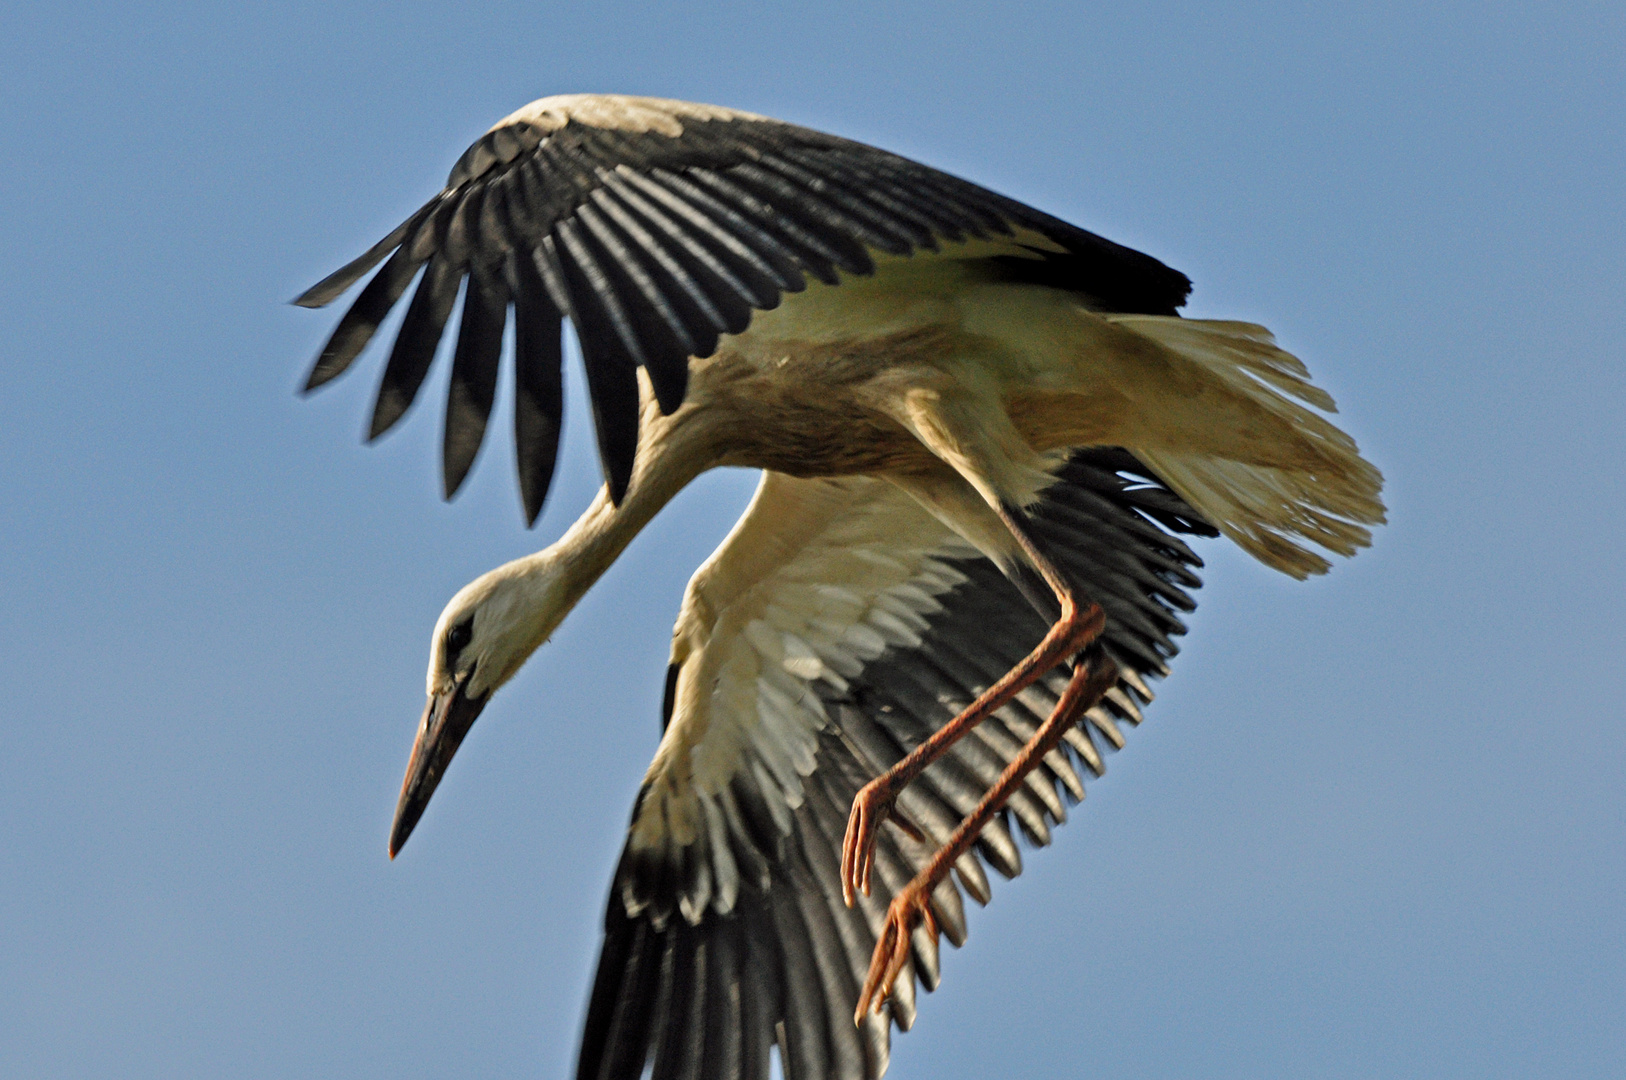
<point>625,129</point>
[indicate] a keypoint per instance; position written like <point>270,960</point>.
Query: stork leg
<point>1080,623</point>
<point>912,905</point>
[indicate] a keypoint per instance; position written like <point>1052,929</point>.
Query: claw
<point>909,907</point>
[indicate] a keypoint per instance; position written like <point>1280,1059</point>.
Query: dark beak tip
<point>400,832</point>
<point>447,719</point>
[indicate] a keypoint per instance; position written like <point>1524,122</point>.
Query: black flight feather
<point>474,375</point>
<point>415,344</point>
<point>539,391</point>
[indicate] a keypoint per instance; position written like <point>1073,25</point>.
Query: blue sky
<point>1374,825</point>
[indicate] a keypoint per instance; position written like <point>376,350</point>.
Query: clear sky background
<point>1375,825</point>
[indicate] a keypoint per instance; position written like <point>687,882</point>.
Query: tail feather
<point>1328,501</point>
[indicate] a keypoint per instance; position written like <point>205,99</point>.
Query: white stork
<point>981,430</point>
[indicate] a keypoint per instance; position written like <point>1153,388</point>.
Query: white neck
<point>546,586</point>
<point>591,545</point>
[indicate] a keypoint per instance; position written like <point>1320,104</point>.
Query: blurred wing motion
<point>656,227</point>
<point>837,627</point>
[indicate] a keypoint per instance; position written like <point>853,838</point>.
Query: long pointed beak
<point>446,719</point>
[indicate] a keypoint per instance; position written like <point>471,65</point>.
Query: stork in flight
<point>982,432</point>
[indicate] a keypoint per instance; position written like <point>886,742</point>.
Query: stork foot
<point>872,805</point>
<point>876,802</point>
<point>909,908</point>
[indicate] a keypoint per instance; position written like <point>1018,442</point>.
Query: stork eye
<point>458,636</point>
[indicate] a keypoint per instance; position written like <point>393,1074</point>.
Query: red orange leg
<point>1090,682</point>
<point>874,802</point>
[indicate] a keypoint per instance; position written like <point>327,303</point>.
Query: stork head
<point>484,636</point>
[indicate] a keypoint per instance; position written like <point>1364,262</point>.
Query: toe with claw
<point>909,908</point>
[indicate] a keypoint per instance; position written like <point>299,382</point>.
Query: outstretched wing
<point>656,227</point>
<point>836,628</point>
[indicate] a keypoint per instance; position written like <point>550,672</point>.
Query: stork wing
<point>656,227</point>
<point>835,629</point>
